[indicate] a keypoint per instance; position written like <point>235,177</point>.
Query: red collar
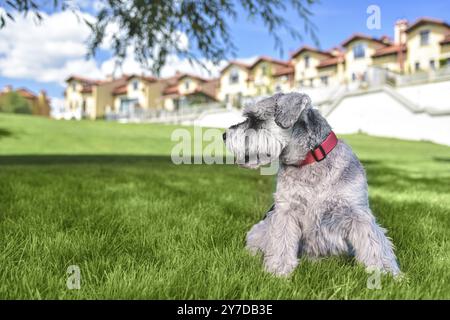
<point>320,152</point>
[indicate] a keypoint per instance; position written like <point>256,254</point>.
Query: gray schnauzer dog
<point>320,208</point>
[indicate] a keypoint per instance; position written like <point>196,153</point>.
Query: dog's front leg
<point>282,242</point>
<point>371,245</point>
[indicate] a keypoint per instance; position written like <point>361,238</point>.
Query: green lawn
<point>106,197</point>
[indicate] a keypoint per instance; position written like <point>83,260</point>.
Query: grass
<point>106,197</point>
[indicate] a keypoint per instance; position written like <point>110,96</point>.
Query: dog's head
<point>276,127</point>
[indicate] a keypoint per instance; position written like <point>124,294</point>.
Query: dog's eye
<point>254,122</point>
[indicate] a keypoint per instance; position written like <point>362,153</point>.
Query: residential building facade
<point>423,46</point>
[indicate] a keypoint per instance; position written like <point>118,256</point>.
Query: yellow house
<point>392,57</point>
<point>359,49</point>
<point>426,45</point>
<point>234,83</point>
<point>92,99</point>
<point>185,90</point>
<point>305,61</point>
<point>331,71</point>
<point>263,73</point>
<point>445,51</point>
<point>80,96</point>
<point>283,78</point>
<point>134,93</point>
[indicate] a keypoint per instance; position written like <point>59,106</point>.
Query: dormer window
<point>359,51</point>
<point>264,70</point>
<point>306,62</point>
<point>424,37</point>
<point>135,85</point>
<point>234,76</point>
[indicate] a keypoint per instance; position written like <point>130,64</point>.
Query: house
<point>421,46</point>
<point>81,97</point>
<point>234,83</point>
<point>40,103</point>
<point>263,77</point>
<point>359,49</point>
<point>426,45</point>
<point>264,73</point>
<point>185,89</point>
<point>87,98</point>
<point>132,93</point>
<point>305,61</point>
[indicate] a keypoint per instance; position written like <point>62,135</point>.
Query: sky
<point>41,56</point>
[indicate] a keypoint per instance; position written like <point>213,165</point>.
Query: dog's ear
<point>289,107</point>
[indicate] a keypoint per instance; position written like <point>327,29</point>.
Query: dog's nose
<point>224,136</point>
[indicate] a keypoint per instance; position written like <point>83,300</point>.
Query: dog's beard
<point>253,148</point>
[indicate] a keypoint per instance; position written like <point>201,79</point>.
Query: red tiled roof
<point>330,62</point>
<point>173,89</point>
<point>311,49</point>
<point>359,36</point>
<point>446,39</point>
<point>268,59</point>
<point>393,49</point>
<point>121,89</point>
<point>83,80</point>
<point>25,93</point>
<point>236,63</point>
<point>283,70</point>
<point>425,20</point>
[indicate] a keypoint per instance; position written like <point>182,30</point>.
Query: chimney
<point>385,39</point>
<point>400,31</point>
<point>335,51</point>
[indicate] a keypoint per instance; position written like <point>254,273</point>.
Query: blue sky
<point>335,21</point>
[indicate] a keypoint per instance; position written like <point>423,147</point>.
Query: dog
<point>321,205</point>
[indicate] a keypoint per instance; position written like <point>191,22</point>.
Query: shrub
<point>12,102</point>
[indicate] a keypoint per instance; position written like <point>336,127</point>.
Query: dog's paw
<point>281,269</point>
<point>253,250</point>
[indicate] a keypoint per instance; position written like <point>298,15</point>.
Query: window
<point>277,88</point>
<point>187,83</point>
<point>239,99</point>
<point>432,65</point>
<point>353,76</point>
<point>300,83</point>
<point>311,83</point>
<point>135,85</point>
<point>264,70</point>
<point>74,86</point>
<point>424,37</point>
<point>306,62</point>
<point>359,51</point>
<point>417,66</point>
<point>227,98</point>
<point>324,80</point>
<point>234,76</point>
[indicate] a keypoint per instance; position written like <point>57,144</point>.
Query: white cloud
<point>55,48</point>
<point>48,51</point>
<point>173,64</point>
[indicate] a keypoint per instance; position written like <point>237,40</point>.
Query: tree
<point>12,102</point>
<point>153,27</point>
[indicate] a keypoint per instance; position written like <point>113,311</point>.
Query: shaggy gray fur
<point>320,209</point>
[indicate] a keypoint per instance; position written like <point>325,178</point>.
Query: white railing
<point>185,113</point>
